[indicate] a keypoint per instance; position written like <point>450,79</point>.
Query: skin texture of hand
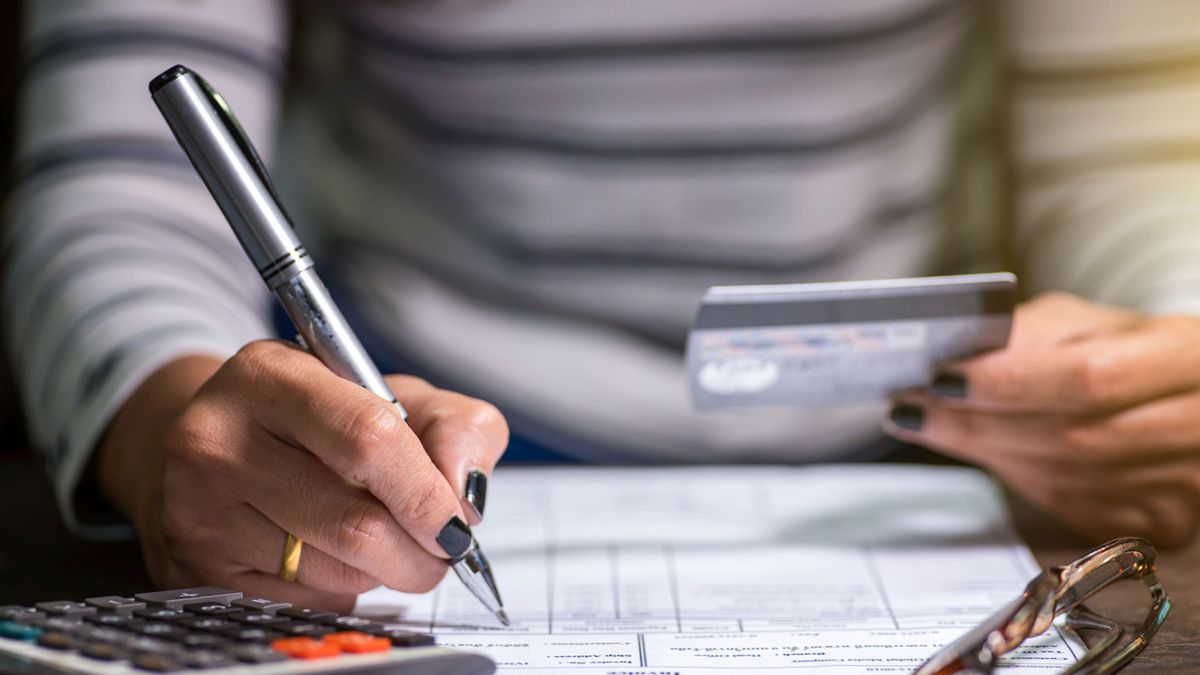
<point>215,462</point>
<point>1091,412</point>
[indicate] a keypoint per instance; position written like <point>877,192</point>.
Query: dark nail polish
<point>949,385</point>
<point>455,537</point>
<point>908,417</point>
<point>475,493</point>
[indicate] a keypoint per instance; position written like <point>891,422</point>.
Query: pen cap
<point>231,169</point>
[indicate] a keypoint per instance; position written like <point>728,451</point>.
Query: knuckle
<point>255,355</point>
<point>261,360</point>
<point>1051,300</point>
<point>1005,385</point>
<point>484,415</point>
<point>360,531</point>
<point>369,429</point>
<point>419,503</point>
<point>190,435</point>
<point>489,420</point>
<point>1082,438</point>
<point>1096,380</point>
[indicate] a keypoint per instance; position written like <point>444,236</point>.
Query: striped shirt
<point>532,195</point>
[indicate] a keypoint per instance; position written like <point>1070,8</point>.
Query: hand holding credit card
<point>827,343</point>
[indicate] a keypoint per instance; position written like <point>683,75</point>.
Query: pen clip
<point>239,136</point>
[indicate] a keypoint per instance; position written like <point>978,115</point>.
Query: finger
<point>1100,517</point>
<point>1086,377</point>
<point>464,436</point>
<point>971,435</point>
<point>1166,511</point>
<point>317,569</point>
<point>355,433</point>
<point>209,556</point>
<point>1157,498</point>
<point>1152,433</point>
<point>333,517</point>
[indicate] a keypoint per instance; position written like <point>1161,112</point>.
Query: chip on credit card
<point>843,342</point>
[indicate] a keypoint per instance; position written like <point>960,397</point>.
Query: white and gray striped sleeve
<point>1107,149</point>
<point>116,258</point>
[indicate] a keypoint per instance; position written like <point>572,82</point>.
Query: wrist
<point>128,464</point>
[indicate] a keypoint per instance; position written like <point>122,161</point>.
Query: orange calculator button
<point>359,643</point>
<point>306,648</point>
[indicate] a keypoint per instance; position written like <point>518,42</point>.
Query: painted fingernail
<point>908,417</point>
<point>949,385</point>
<point>455,537</point>
<point>475,493</point>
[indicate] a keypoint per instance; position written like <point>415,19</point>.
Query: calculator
<point>217,630</point>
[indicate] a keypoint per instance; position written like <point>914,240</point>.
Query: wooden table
<point>40,560</point>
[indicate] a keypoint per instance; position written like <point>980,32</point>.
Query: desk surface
<point>39,560</point>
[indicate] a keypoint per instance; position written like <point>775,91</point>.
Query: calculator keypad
<point>197,628</point>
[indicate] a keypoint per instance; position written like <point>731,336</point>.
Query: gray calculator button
<point>61,624</point>
<point>139,644</point>
<point>161,614</point>
<point>115,603</point>
<point>252,634</point>
<point>56,640</point>
<point>205,658</point>
<point>257,654</point>
<point>305,629</point>
<point>405,638</point>
<point>258,619</point>
<point>179,597</point>
<point>204,640</point>
<point>113,620</point>
<point>306,614</point>
<point>66,608</point>
<point>211,608</point>
<point>20,614</point>
<point>261,604</point>
<point>352,623</point>
<point>103,651</point>
<point>163,631</point>
<point>157,663</point>
<point>100,634</point>
<point>209,624</point>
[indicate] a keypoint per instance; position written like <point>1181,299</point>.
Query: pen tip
<point>503,616</point>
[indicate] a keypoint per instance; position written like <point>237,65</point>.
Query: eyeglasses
<point>1059,591</point>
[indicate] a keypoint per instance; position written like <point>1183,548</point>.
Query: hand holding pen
<point>291,471</point>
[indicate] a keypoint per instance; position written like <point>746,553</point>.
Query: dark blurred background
<point>10,26</point>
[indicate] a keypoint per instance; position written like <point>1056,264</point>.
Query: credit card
<point>844,342</point>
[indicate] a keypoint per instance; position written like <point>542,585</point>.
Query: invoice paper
<point>838,569</point>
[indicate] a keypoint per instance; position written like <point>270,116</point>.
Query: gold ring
<point>291,558</point>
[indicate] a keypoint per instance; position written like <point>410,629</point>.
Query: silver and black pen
<point>231,168</point>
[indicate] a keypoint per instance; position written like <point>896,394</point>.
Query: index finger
<point>1092,375</point>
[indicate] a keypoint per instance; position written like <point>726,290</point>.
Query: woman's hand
<point>215,463</point>
<point>1091,412</point>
